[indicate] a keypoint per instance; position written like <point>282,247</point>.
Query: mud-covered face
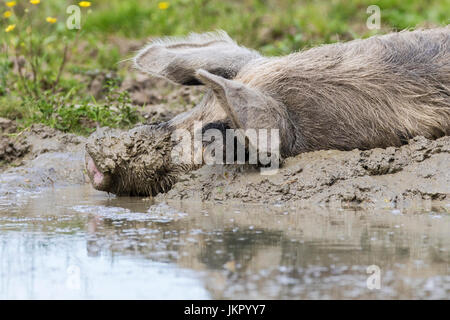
<point>135,162</point>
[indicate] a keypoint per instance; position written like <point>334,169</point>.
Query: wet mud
<point>415,174</point>
<point>40,157</point>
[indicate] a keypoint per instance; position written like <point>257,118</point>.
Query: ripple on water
<point>127,248</point>
<point>160,213</point>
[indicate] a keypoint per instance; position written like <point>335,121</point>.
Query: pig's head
<point>136,162</point>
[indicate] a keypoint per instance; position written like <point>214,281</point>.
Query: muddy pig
<point>376,92</point>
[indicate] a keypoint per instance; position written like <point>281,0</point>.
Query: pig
<point>366,93</point>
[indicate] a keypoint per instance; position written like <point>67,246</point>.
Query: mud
<point>40,157</point>
<point>7,126</point>
<point>10,148</point>
<point>416,174</point>
<point>412,175</point>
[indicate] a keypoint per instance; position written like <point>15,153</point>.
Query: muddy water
<point>75,242</point>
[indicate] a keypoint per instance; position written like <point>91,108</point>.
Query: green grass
<point>274,27</point>
<point>277,27</point>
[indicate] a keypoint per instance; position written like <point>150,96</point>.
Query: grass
<point>45,68</point>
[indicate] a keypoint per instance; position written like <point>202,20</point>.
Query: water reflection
<point>79,243</point>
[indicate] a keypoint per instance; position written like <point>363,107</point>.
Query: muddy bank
<point>416,174</point>
<point>411,175</point>
<point>38,157</point>
<point>10,148</point>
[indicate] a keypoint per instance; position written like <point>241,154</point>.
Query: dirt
<point>7,126</point>
<point>415,174</point>
<point>412,175</point>
<point>10,148</point>
<point>40,157</point>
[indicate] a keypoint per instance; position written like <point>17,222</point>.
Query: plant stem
<point>63,62</point>
<point>21,76</point>
<point>61,68</point>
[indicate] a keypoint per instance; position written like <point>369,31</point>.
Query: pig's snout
<point>100,181</point>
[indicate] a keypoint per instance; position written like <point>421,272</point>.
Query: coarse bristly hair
<point>376,92</point>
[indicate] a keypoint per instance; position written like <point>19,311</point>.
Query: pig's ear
<point>177,59</point>
<point>250,108</point>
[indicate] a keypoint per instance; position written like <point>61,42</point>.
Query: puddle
<point>74,242</point>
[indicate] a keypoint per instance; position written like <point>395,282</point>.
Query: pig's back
<point>368,93</point>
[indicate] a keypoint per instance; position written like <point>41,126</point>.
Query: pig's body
<point>376,92</point>
<point>362,94</point>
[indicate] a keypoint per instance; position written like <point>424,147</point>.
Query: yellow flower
<point>7,14</point>
<point>35,1</point>
<point>11,4</point>
<point>84,4</point>
<point>163,5</point>
<point>11,27</point>
<point>51,20</point>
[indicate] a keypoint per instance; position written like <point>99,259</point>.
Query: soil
<point>10,148</point>
<point>415,174</point>
<point>40,157</point>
